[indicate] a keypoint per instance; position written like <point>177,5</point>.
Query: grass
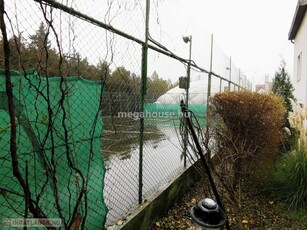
<point>299,218</point>
<point>291,179</point>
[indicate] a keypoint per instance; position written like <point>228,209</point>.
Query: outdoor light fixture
<point>183,83</point>
<point>187,39</point>
<point>208,214</point>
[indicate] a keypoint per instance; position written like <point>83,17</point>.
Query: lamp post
<point>186,40</point>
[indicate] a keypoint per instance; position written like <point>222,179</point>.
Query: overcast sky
<point>253,33</point>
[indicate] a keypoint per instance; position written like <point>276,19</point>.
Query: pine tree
<point>44,58</point>
<point>40,40</point>
<point>282,86</point>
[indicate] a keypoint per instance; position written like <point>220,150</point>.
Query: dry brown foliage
<point>247,123</point>
<point>243,125</point>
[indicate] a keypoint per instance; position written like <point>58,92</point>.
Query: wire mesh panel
<point>58,170</point>
<point>84,140</point>
<point>162,150</point>
<point>58,142</point>
<point>120,141</point>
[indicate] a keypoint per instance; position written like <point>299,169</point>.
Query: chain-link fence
<point>98,100</point>
<point>58,150</point>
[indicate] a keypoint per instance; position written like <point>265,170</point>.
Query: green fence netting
<point>59,131</point>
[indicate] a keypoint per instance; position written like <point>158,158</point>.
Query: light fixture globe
<point>208,214</point>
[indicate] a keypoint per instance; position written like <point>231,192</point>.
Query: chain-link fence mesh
<point>59,148</point>
<point>100,43</point>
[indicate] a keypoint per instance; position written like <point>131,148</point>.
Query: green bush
<point>291,178</point>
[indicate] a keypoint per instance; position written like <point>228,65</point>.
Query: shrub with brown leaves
<point>244,125</point>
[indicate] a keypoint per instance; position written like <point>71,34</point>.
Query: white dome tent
<point>197,93</point>
<point>170,101</point>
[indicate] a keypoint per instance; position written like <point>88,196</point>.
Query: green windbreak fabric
<point>61,143</point>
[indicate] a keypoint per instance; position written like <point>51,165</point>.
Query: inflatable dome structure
<point>170,101</point>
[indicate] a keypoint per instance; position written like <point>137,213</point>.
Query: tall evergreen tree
<point>44,58</point>
<point>40,39</point>
<point>282,86</point>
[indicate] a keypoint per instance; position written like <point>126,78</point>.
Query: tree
<point>41,56</point>
<point>40,39</point>
<point>120,80</point>
<point>17,52</point>
<point>156,87</point>
<point>282,86</point>
<point>103,70</point>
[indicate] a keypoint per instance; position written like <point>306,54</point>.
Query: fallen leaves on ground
<point>260,209</point>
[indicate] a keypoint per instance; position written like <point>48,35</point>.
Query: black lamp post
<point>186,40</point>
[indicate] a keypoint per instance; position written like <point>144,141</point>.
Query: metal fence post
<point>143,93</point>
<point>209,92</point>
<point>220,85</point>
<point>229,83</point>
<point>185,144</point>
<point>210,73</point>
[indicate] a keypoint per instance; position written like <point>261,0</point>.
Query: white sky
<point>253,33</point>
